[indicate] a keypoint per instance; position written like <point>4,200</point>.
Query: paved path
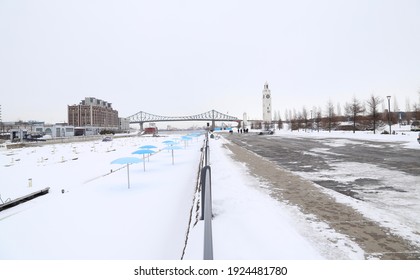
<point>374,239</point>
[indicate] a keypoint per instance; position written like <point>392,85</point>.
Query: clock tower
<point>266,104</point>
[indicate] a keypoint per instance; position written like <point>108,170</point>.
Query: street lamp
<point>389,112</point>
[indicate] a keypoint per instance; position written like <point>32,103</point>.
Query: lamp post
<point>389,112</point>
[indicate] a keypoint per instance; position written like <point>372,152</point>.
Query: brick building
<point>93,112</point>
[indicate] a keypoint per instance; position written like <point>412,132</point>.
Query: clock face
<point>267,96</point>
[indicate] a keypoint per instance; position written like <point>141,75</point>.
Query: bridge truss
<point>212,115</point>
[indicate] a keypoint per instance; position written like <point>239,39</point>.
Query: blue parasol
<point>186,139</point>
<point>143,152</point>
<point>148,147</point>
<point>128,161</point>
<point>172,148</point>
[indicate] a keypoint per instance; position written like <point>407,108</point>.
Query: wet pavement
<point>308,158</point>
<point>318,155</point>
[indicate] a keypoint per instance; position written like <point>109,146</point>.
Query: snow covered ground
<point>248,224</point>
<point>99,217</point>
<point>403,135</point>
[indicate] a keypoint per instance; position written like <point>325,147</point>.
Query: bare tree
<point>416,111</point>
<point>330,115</point>
<point>286,118</point>
<point>298,118</point>
<point>279,123</point>
<point>305,117</point>
<point>353,109</point>
<point>318,119</point>
<point>408,114</point>
<point>286,115</point>
<point>373,103</point>
<point>294,121</point>
<point>290,118</point>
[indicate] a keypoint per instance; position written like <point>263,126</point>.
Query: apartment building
<point>93,112</point>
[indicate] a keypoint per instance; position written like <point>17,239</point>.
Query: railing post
<point>208,215</point>
<point>203,191</point>
<point>203,174</point>
<point>206,203</point>
<point>206,154</point>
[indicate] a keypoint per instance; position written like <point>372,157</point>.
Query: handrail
<point>207,152</point>
<point>208,213</point>
<point>202,175</point>
<point>206,203</point>
<point>192,222</point>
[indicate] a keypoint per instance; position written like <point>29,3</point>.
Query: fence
<point>206,201</point>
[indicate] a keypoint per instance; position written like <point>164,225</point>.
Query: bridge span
<point>212,115</point>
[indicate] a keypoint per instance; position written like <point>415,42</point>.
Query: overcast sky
<point>186,57</point>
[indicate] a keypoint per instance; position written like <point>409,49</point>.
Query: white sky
<point>186,57</point>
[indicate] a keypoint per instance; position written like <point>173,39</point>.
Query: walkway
<point>376,241</point>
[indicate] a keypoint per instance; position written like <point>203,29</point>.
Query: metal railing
<point>208,213</point>
<point>206,204</point>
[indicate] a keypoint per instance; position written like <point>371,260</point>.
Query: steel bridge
<point>212,115</point>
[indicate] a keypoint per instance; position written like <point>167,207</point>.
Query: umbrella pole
<point>144,163</point>
<point>172,157</point>
<point>128,175</point>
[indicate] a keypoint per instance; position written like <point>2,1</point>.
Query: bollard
<point>29,182</point>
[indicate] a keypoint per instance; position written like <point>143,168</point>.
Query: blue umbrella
<point>196,135</point>
<point>186,139</point>
<point>169,143</point>
<point>128,161</point>
<point>148,147</point>
<point>172,148</point>
<point>143,152</point>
